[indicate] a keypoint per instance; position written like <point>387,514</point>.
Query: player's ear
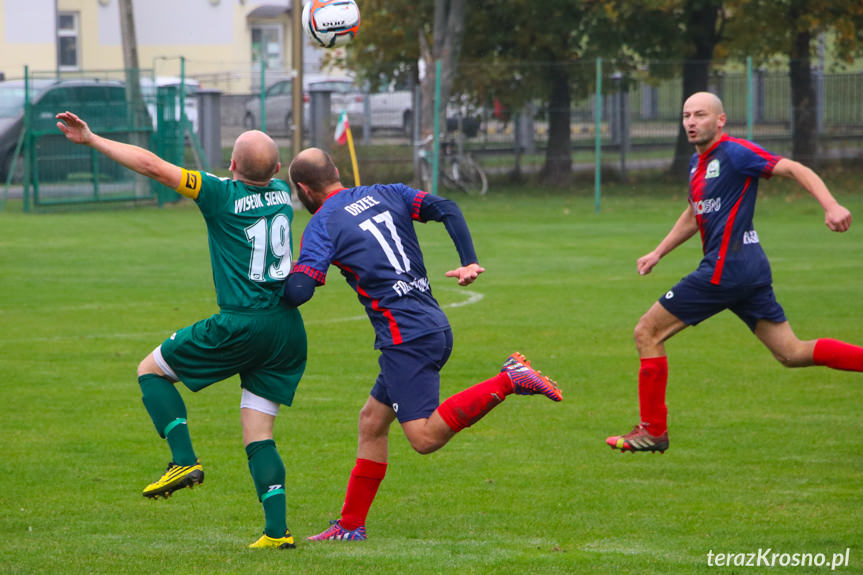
<point>278,167</point>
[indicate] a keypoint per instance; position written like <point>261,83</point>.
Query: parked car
<point>101,102</point>
<point>387,110</point>
<point>279,102</point>
<point>392,109</point>
<point>12,95</point>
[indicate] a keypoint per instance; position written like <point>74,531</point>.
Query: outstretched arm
<point>446,211</point>
<point>683,229</point>
<point>135,158</point>
<point>836,216</point>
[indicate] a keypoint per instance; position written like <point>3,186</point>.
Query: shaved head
<point>255,157</point>
<point>705,101</point>
<point>314,168</point>
<point>314,175</point>
<point>703,120</point>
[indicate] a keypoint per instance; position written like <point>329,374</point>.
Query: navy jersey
<point>723,185</point>
<point>368,233</point>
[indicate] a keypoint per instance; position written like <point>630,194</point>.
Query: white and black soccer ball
<point>330,23</point>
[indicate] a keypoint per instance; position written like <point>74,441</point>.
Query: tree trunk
<point>695,79</point>
<point>804,131</point>
<point>448,36</point>
<point>137,110</point>
<point>702,21</point>
<point>558,157</point>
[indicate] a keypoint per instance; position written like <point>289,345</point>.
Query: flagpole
<point>343,133</point>
<point>353,154</point>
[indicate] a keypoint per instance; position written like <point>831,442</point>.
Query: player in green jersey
<point>254,334</point>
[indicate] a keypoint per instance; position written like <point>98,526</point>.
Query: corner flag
<point>342,135</point>
<point>342,129</point>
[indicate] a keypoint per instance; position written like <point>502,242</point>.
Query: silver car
<point>279,103</point>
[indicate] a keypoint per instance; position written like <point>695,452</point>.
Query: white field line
<point>472,298</point>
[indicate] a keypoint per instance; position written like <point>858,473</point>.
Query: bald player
<point>734,272</point>
<point>254,334</point>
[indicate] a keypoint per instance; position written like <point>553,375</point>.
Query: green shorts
<point>266,348</point>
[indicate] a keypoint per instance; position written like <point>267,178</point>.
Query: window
<point>68,51</point>
<point>267,45</point>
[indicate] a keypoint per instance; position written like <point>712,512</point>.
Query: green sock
<point>168,412</point>
<point>268,473</point>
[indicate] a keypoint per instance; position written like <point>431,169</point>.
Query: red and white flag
<point>342,128</point>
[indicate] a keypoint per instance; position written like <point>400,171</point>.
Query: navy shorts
<point>409,381</point>
<point>693,300</point>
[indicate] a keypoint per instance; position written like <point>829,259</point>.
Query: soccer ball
<point>330,23</point>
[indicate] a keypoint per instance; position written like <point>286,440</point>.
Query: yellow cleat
<point>267,542</point>
<point>175,477</point>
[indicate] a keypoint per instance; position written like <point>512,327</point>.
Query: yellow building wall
<point>13,57</point>
<point>227,67</point>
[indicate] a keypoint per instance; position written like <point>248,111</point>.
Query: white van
<point>190,98</point>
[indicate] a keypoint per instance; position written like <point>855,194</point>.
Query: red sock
<point>469,406</point>
<point>366,477</point>
<point>838,355</point>
<point>652,379</point>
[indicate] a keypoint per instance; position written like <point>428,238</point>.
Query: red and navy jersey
<point>368,233</point>
<point>723,185</point>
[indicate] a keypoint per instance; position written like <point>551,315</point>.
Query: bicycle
<point>457,169</point>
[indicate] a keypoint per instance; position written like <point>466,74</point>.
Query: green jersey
<point>249,232</point>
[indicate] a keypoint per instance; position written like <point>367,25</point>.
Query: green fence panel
<point>60,172</point>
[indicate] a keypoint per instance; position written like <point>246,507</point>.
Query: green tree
<point>791,31</point>
<point>399,34</point>
<point>548,50</point>
<point>702,23</point>
<point>533,50</point>
<point>447,34</point>
<point>527,51</point>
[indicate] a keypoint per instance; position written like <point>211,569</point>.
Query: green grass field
<point>761,456</point>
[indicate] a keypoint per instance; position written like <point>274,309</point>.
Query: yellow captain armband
<point>190,183</point>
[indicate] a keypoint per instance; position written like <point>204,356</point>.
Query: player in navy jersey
<point>368,233</point>
<point>255,334</point>
<point>734,272</point>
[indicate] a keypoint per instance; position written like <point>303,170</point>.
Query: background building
<point>222,41</point>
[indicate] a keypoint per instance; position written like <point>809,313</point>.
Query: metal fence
<point>42,167</point>
<point>639,115</point>
<point>637,126</point>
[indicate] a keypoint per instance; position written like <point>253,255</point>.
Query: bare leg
<point>148,365</point>
<point>374,430</point>
<point>785,346</point>
<point>653,329</point>
<point>257,426</point>
<point>429,434</point>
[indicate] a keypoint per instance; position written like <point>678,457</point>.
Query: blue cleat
<point>528,381</point>
<point>336,532</point>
